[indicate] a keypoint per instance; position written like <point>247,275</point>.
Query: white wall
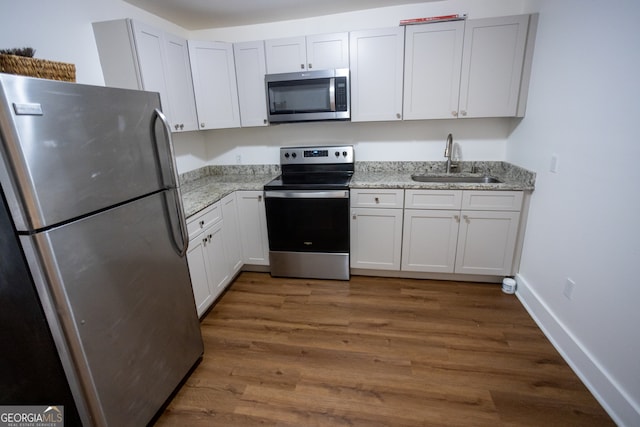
<point>477,139</point>
<point>584,106</point>
<point>61,30</point>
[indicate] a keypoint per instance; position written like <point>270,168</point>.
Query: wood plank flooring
<point>376,352</point>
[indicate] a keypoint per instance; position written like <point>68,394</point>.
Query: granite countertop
<point>398,175</point>
<point>205,186</point>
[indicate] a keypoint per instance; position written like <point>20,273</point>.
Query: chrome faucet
<point>448,153</point>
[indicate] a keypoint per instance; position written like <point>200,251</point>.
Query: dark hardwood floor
<point>377,352</point>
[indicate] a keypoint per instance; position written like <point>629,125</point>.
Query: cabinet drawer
<point>204,219</point>
<point>377,198</point>
<point>492,200</point>
<point>433,199</point>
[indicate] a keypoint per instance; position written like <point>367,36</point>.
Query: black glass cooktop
<point>298,181</point>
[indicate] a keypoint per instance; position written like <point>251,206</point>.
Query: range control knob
<point>286,155</point>
<point>294,155</point>
<point>344,153</point>
<point>337,154</point>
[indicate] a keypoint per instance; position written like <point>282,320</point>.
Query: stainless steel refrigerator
<point>93,263</point>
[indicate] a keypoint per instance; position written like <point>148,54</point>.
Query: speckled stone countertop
<point>398,175</point>
<point>205,186</point>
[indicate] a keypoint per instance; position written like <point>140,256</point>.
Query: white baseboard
<point>613,399</point>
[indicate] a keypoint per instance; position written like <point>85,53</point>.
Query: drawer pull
<point>377,200</point>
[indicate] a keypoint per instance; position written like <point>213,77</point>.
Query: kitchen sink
<point>456,179</point>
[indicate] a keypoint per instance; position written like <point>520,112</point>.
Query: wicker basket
<point>40,68</point>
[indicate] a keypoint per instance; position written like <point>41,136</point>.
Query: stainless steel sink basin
<point>456,179</point>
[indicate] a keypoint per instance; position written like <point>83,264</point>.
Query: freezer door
<point>123,298</point>
<point>70,149</point>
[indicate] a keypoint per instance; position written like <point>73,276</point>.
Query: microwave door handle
<point>332,93</point>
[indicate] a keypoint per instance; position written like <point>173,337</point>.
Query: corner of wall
<point>608,393</point>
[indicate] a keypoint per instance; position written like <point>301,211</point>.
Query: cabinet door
<point>253,227</point>
<point>214,82</point>
<point>182,108</point>
<point>376,60</point>
<point>218,267</point>
<point>286,55</point>
<point>492,63</point>
<point>376,238</point>
<point>250,71</point>
<point>198,266</point>
<point>429,240</point>
<point>486,242</point>
<point>231,234</point>
<point>150,52</point>
<point>328,51</point>
<point>433,60</point>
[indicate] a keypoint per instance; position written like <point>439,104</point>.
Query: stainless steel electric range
<point>307,210</point>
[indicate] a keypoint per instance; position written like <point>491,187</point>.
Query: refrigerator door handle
<point>184,244</point>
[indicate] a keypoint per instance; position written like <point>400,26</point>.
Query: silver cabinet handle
<point>454,113</point>
<point>302,66</point>
<point>456,218</point>
<point>463,112</point>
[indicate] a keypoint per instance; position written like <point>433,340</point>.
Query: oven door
<point>308,220</point>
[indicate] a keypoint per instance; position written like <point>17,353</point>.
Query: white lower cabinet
<point>215,253</point>
<point>231,233</point>
<point>206,256</point>
<point>429,240</point>
<point>486,242</point>
<point>253,227</point>
<point>463,232</point>
<point>438,231</point>
<point>376,229</point>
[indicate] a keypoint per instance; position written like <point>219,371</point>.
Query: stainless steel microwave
<point>308,96</point>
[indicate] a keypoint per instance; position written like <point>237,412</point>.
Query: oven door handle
<point>297,194</point>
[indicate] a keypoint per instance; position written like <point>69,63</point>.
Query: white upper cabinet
<point>376,60</point>
<point>433,61</point>
<point>328,51</point>
<point>137,56</point>
<point>317,52</point>
<point>286,55</point>
<point>467,69</point>
<point>250,71</point>
<point>492,66</point>
<point>179,84</point>
<point>214,82</point>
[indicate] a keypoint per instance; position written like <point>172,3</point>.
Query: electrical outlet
<point>238,159</point>
<point>553,167</point>
<point>568,288</point>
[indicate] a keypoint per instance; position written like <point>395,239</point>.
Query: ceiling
<point>203,14</point>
